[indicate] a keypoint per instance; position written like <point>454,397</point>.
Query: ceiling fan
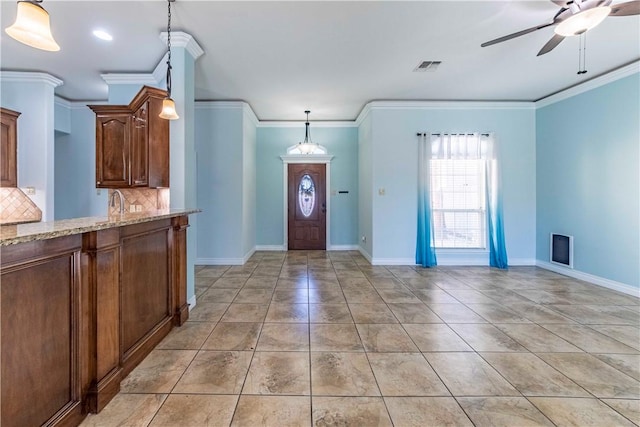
<point>574,18</point>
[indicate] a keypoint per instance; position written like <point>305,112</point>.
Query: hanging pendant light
<point>32,26</point>
<point>168,106</point>
<point>307,147</point>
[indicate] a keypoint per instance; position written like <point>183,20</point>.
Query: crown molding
<point>250,114</point>
<point>61,102</point>
<point>363,114</point>
<point>441,105</point>
<point>76,105</point>
<point>315,124</point>
<point>182,39</point>
<point>160,72</point>
<point>229,105</point>
<point>129,78</point>
<point>29,77</point>
<point>451,105</point>
<point>215,105</point>
<point>594,83</point>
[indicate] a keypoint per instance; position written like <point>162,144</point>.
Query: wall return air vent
<point>427,66</point>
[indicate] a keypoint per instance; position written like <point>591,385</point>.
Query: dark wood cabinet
<point>41,312</point>
<point>132,142</point>
<point>8,148</point>
<point>79,312</point>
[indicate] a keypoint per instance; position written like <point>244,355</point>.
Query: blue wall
<point>365,186</point>
<point>395,169</point>
<point>249,135</point>
<point>225,138</point>
<point>75,170</point>
<point>588,179</point>
<point>272,142</point>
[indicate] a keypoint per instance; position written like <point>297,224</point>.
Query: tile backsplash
<point>149,199</point>
<point>16,207</point>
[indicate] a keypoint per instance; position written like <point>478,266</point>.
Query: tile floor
<point>326,339</point>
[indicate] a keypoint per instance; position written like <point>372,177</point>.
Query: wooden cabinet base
<point>78,313</point>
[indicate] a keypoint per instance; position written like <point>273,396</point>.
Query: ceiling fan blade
<point>514,35</point>
<point>626,9</point>
<point>551,44</point>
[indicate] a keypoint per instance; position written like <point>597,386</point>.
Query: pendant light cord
<point>169,50</point>
<point>307,131</point>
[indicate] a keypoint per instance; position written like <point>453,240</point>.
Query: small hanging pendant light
<point>32,26</point>
<point>168,106</point>
<point>307,147</point>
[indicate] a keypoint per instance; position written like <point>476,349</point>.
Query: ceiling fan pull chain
<point>582,54</point>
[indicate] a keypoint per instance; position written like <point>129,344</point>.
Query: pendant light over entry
<point>168,106</point>
<point>32,26</point>
<point>307,147</point>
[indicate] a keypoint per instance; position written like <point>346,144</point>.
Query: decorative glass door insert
<point>306,195</point>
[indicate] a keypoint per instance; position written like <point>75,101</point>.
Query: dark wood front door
<point>307,206</point>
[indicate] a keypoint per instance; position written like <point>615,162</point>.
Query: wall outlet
<point>30,191</point>
<point>381,191</point>
<point>364,239</point>
<point>132,208</point>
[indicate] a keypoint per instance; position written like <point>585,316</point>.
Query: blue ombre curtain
<point>425,250</point>
<point>463,147</point>
<point>497,247</point>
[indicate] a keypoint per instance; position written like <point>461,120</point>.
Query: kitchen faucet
<point>112,202</point>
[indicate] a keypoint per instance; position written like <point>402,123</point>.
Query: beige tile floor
<point>325,339</point>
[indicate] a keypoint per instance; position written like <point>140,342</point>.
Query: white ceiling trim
<point>248,112</point>
<point>29,77</point>
<point>442,105</point>
<point>596,82</point>
<point>300,124</point>
<point>61,102</point>
<point>129,78</point>
<point>160,72</point>
<point>204,105</point>
<point>182,39</point>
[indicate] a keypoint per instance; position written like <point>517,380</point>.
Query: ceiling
<point>331,57</point>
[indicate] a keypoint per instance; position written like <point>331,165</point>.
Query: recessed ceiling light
<point>102,35</point>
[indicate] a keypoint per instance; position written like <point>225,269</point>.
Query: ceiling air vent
<point>427,66</point>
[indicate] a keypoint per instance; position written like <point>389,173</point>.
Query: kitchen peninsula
<point>83,301</point>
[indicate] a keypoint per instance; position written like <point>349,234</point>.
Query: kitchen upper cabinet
<point>9,148</point>
<point>132,142</point>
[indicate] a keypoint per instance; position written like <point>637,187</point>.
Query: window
<point>458,203</point>
<point>459,196</point>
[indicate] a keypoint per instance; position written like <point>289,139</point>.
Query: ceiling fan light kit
<point>582,21</point>
<point>574,18</point>
<point>32,26</point>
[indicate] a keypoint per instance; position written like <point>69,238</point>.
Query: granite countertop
<point>21,233</point>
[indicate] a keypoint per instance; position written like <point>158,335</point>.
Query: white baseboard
<point>192,302</point>
<point>522,262</point>
<point>248,255</point>
<point>364,253</point>
<point>343,248</point>
<point>393,261</point>
<point>278,248</point>
<point>596,280</point>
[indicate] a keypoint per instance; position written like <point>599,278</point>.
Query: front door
<point>307,206</point>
